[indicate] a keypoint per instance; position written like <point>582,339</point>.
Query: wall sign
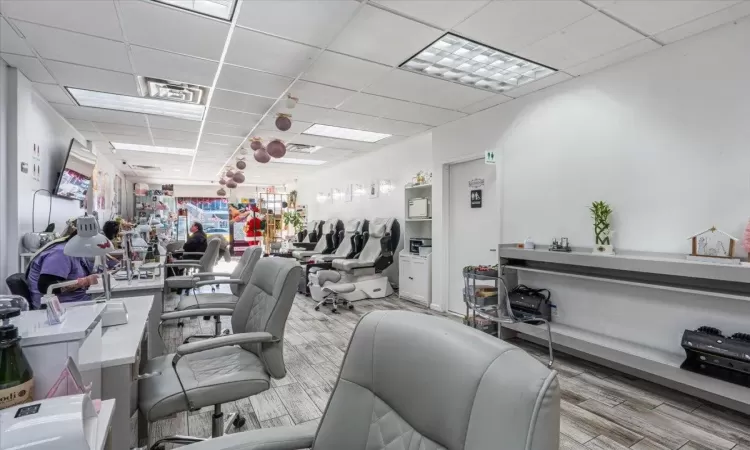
<point>476,183</point>
<point>476,198</point>
<point>489,157</point>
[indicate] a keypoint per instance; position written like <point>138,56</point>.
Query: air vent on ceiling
<point>145,168</point>
<point>173,91</point>
<point>302,148</point>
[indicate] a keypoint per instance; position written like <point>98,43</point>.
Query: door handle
<point>493,249</point>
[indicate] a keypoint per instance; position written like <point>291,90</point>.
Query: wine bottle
<point>16,376</point>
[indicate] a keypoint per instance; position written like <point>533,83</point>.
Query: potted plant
<point>294,219</point>
<point>601,212</point>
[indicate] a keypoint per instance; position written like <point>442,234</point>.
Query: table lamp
<point>89,243</point>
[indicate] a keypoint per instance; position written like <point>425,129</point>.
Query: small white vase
<point>603,250</point>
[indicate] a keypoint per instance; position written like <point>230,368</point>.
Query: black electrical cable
<point>525,290</point>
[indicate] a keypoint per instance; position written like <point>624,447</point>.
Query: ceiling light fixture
<point>349,134</point>
<point>470,63</point>
<point>221,9</point>
<point>173,91</point>
<point>304,162</point>
<point>153,149</point>
<point>118,102</point>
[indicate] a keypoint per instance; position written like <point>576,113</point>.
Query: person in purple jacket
<point>50,265</point>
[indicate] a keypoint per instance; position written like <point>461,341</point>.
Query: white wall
<point>5,269</point>
<point>210,191</point>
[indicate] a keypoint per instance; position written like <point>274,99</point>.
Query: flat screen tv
<point>75,178</point>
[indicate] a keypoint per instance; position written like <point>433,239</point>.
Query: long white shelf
<point>644,362</point>
<point>634,283</point>
<point>418,186</point>
<point>419,220</point>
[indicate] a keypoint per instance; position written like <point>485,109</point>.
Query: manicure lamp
<point>89,243</point>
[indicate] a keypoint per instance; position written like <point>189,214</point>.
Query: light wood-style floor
<point>601,409</point>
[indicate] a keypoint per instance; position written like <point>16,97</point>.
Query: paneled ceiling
<point>339,57</point>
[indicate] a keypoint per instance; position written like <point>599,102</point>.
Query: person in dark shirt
<point>196,242</point>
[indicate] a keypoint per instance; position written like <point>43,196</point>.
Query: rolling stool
<point>333,291</point>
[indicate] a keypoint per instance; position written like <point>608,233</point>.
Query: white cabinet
<point>415,277</point>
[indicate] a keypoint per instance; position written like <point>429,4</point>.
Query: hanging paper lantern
<point>221,192</point>
<point>239,177</point>
<point>222,182</point>
<point>256,144</point>
<point>230,173</point>
<point>283,122</point>
<point>231,184</point>
<point>262,156</point>
<point>241,165</point>
<point>276,148</point>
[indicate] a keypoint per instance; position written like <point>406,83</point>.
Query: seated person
<point>196,242</point>
<point>50,265</point>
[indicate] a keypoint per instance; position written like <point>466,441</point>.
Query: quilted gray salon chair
<point>327,242</point>
<point>346,247</point>
<point>226,368</point>
<point>204,266</point>
<point>237,280</point>
<point>418,382</point>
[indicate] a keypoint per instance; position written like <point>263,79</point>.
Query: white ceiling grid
<point>339,57</point>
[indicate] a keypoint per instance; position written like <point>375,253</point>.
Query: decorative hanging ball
<point>283,122</point>
<point>231,184</point>
<point>262,156</point>
<point>284,204</point>
<point>239,177</point>
<point>221,192</point>
<point>243,151</point>
<point>230,173</point>
<point>222,182</point>
<point>256,143</point>
<point>241,165</point>
<point>276,148</point>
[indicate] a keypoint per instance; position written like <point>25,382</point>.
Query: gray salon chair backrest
<point>208,260</point>
<point>245,267</point>
<point>415,381</point>
<point>350,229</point>
<point>378,228</point>
<point>264,306</point>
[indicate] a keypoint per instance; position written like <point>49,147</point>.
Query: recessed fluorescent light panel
<point>460,60</point>
<point>304,162</point>
<point>137,104</point>
<point>153,149</point>
<point>221,9</point>
<point>345,133</point>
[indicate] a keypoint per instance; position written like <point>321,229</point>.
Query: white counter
<point>121,343</point>
<point>78,323</point>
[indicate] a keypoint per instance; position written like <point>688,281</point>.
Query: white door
<point>474,232</point>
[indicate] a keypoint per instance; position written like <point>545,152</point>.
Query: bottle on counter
<point>16,376</point>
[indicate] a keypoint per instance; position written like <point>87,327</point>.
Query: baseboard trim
<point>436,307</point>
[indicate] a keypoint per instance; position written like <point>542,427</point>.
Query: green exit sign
<point>489,157</point>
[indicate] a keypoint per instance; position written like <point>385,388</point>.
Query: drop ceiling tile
<point>439,13</point>
<point>67,46</point>
<point>319,94</point>
<point>93,136</point>
<point>10,42</point>
<point>140,140</point>
<point>241,102</point>
<point>716,19</point>
<point>403,85</point>
<point>101,115</point>
<point>174,134</point>
<point>98,18</point>
<point>396,127</point>
<point>391,140</point>
<point>29,66</point>
<point>512,25</point>
<point>344,71</point>
<point>73,75</point>
<point>557,77</point>
<point>268,53</point>
<point>157,26</point>
<point>347,119</point>
<point>82,125</point>
<point>399,110</point>
<point>614,57</point>
<point>175,143</point>
<point>313,23</point>
<point>216,149</point>
<point>209,138</point>
<point>268,124</point>
<point>53,93</point>
<point>302,112</point>
<point>227,130</point>
<point>125,130</point>
<point>269,135</point>
<point>171,123</point>
<point>235,118</point>
<point>326,153</point>
<point>652,17</point>
<point>253,82</point>
<point>593,36</point>
<point>487,103</point>
<point>383,37</point>
<point>171,66</point>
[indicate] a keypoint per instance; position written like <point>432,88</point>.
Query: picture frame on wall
<point>373,189</point>
<point>349,193</point>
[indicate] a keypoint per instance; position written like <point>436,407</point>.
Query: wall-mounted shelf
<point>421,186</point>
<point>644,362</point>
<point>419,220</point>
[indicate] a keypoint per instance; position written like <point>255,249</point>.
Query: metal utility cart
<point>488,305</point>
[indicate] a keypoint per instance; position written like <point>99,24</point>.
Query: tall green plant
<point>294,219</point>
<point>601,213</point>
